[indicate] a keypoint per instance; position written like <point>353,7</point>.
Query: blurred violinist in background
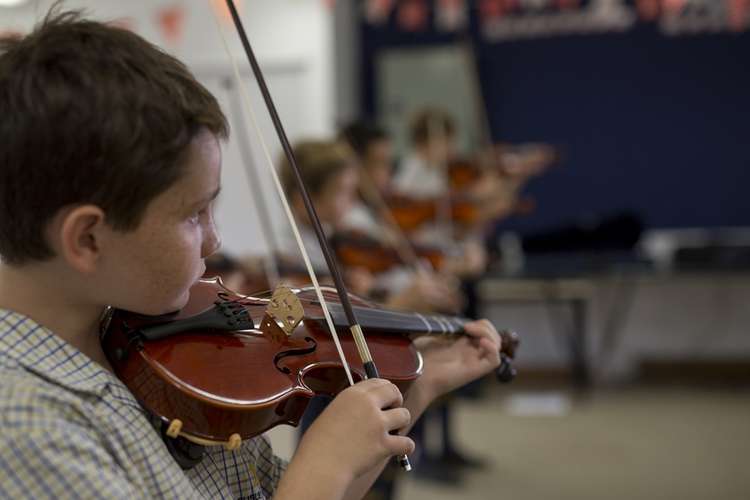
<point>470,192</point>
<point>465,196</point>
<point>331,170</point>
<point>375,215</point>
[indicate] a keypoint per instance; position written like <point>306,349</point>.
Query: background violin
<point>356,249</point>
<point>512,162</point>
<point>411,213</point>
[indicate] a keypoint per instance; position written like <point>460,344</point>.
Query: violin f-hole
<point>301,351</point>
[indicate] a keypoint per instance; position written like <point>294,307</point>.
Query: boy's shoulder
<point>36,362</point>
<point>29,401</point>
<point>46,385</point>
<point>66,416</point>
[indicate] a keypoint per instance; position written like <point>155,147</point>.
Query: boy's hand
<point>352,435</point>
<point>452,363</point>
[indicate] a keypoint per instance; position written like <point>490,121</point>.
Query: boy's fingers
<point>400,445</point>
<point>388,395</point>
<point>397,418</point>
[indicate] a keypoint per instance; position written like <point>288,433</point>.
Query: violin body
<point>463,172</point>
<point>510,161</point>
<point>411,213</point>
<point>219,383</point>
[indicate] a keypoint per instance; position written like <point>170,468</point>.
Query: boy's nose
<point>211,242</point>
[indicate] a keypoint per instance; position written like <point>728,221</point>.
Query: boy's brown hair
<point>318,161</point>
<point>431,121</point>
<point>91,113</point>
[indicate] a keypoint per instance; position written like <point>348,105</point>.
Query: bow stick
<point>368,363</point>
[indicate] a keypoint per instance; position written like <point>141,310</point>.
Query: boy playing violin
<point>109,169</point>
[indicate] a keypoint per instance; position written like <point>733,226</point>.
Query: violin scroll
<point>505,373</point>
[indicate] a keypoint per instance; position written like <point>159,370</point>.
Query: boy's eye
<point>195,218</point>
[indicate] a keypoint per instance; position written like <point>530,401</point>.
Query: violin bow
<point>368,363</point>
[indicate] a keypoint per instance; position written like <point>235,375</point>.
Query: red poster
<point>673,6</point>
<point>648,10</point>
<point>738,12</point>
<point>491,9</point>
<point>413,15</point>
<point>378,11</point>
<point>171,22</point>
<point>220,7</point>
<point>451,15</point>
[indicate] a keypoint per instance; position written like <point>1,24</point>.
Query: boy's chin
<point>168,307</point>
<point>179,303</point>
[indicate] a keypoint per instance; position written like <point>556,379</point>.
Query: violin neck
<point>403,323</point>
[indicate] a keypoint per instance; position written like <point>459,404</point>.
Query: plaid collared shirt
<point>70,429</point>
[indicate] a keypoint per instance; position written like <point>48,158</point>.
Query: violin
<point>513,162</point>
<point>356,249</point>
<point>411,213</point>
<point>228,367</point>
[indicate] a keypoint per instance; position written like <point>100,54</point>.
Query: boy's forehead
<point>200,179</point>
<point>204,157</point>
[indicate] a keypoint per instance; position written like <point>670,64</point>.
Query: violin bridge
<point>284,311</point>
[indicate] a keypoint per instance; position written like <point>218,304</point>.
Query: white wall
<point>292,39</point>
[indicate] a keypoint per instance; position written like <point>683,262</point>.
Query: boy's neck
<point>40,292</point>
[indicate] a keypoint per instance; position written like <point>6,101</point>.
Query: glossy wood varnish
<point>219,383</point>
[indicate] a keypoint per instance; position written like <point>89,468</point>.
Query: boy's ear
<point>77,237</point>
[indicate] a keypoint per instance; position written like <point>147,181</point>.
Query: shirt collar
<point>42,352</point>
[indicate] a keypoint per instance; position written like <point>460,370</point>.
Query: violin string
<point>404,321</point>
<point>284,202</point>
<point>399,316</point>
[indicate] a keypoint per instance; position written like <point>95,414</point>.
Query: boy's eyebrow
<point>209,198</point>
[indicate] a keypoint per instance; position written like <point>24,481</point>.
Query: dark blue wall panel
<point>653,124</point>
